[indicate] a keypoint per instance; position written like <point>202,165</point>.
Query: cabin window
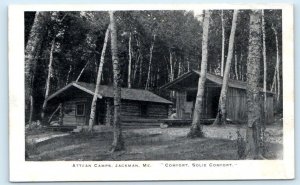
<point>144,110</point>
<point>191,96</point>
<point>80,109</point>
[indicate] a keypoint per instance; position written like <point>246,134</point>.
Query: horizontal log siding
<point>70,117</point>
<point>132,110</point>
<point>157,111</point>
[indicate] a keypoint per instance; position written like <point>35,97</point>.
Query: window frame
<point>76,111</point>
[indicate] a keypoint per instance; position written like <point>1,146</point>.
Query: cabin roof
<point>211,77</point>
<point>107,91</point>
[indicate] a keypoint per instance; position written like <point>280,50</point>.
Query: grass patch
<point>142,144</point>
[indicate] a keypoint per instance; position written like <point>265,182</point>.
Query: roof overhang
<point>210,77</point>
<point>87,88</point>
<point>67,87</point>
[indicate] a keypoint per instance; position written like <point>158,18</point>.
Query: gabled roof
<point>211,77</point>
<point>107,91</point>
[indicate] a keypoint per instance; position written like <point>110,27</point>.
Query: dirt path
<point>273,133</point>
<point>34,139</point>
<point>150,144</point>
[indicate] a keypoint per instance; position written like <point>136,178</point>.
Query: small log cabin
<point>76,99</point>
<point>186,87</point>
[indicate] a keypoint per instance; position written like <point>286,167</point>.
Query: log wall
<point>70,117</point>
<point>133,110</point>
<point>236,104</point>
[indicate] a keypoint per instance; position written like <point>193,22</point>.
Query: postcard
<point>141,92</point>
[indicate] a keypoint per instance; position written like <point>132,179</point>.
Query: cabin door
<point>212,101</point>
<point>80,113</point>
<point>100,113</point>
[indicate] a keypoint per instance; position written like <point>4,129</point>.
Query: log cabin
<point>137,105</point>
<point>185,88</point>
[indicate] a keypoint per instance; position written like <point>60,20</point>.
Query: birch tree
<point>68,75</point>
<point>129,61</point>
<point>48,79</point>
<point>32,50</point>
<point>277,67</point>
<point>223,43</point>
<point>81,72</point>
<point>150,62</point>
<point>265,63</point>
<point>221,116</point>
<point>118,143</point>
<point>236,66</point>
<point>254,131</point>
<point>97,88</point>
<point>196,127</point>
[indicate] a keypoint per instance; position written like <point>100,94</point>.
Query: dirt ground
<point>219,143</point>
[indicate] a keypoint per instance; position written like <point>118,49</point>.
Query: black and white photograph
<point>178,86</point>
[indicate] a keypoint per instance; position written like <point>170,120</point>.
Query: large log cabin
<point>186,87</point>
<point>136,104</point>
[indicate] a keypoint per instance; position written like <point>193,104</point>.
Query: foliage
<point>79,39</point>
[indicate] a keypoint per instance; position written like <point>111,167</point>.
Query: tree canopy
<point>177,48</point>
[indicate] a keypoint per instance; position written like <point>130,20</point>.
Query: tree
<point>118,143</point>
<point>223,43</point>
<point>196,127</point>
<point>48,79</point>
<point>265,63</point>
<point>150,62</point>
<point>276,79</point>
<point>254,131</point>
<point>221,116</point>
<point>129,62</point>
<point>32,50</point>
<point>81,72</point>
<point>97,88</point>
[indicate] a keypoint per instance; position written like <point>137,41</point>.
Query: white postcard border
<point>21,170</point>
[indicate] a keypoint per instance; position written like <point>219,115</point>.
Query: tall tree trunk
<point>61,114</point>
<point>221,116</point>
<point>188,64</point>
<point>54,112</point>
<point>82,70</point>
<point>68,75</point>
<point>171,74</point>
<point>118,143</point>
<point>236,66</point>
<point>277,64</point>
<point>274,87</point>
<point>241,67</point>
<point>99,74</point>
<point>141,71</point>
<point>33,46</point>
<point>137,63</point>
<point>196,127</point>
<point>265,65</point>
<point>48,80</point>
<point>171,66</point>
<point>129,62</point>
<point>254,131</point>
<point>223,43</point>
<point>150,62</point>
